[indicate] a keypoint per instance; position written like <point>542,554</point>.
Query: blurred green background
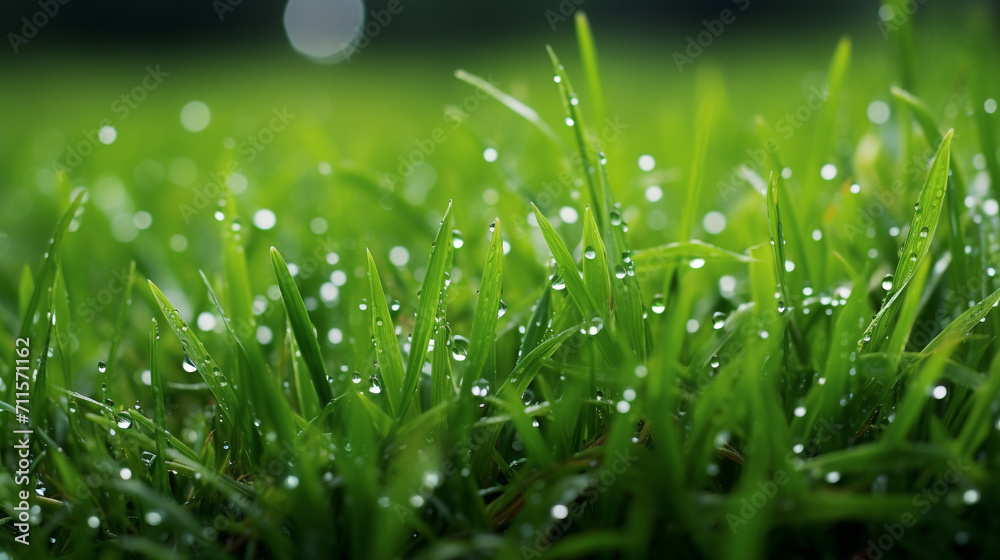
<point>323,177</point>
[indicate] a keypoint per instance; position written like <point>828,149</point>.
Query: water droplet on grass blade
<point>718,320</point>
<point>188,365</point>
<point>659,304</point>
<point>887,282</point>
<point>459,348</point>
<point>593,327</point>
<point>481,388</point>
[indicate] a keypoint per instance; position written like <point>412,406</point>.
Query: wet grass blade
<point>512,103</point>
<point>159,413</point>
<point>915,248</point>
<point>432,290</point>
<point>47,273</point>
<point>963,325</point>
<point>390,361</point>
<point>956,183</point>
<point>663,256</point>
<point>303,328</point>
<point>596,275</point>
<point>598,318</point>
<point>575,121</point>
<point>484,321</point>
<point>218,381</point>
<point>777,235</point>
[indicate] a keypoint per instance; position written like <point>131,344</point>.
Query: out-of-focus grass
<point>532,344</point>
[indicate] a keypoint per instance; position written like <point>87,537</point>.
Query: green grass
<point>553,354</point>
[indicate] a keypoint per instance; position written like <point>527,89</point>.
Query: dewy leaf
<point>596,275</point>
<point>509,101</point>
<point>218,382</point>
<point>303,328</point>
<point>657,258</point>
<point>431,291</point>
<point>484,322</point>
<point>777,235</point>
<point>964,324</point>
<point>918,241</point>
<point>390,361</point>
<point>159,413</point>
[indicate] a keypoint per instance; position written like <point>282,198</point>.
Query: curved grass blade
<point>918,242</point>
<point>576,288</point>
<point>432,290</point>
<point>303,328</point>
<point>509,101</point>
<point>217,381</point>
<point>963,325</point>
<point>570,104</point>
<point>588,55</point>
<point>512,387</point>
<point>956,183</point>
<point>662,256</point>
<point>390,361</point>
<point>47,273</point>
<point>266,397</point>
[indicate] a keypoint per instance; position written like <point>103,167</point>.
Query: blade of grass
<point>218,382</point>
<point>432,290</point>
<point>918,242</point>
<point>956,183</point>
<point>575,121</point>
<point>303,328</point>
<point>588,55</point>
<point>484,322</point>
<point>510,102</point>
<point>596,275</point>
<point>963,324</point>
<point>159,413</point>
<point>390,361</point>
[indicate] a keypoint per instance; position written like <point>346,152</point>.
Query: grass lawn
<point>617,299</point>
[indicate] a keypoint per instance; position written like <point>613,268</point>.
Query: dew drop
<point>481,388</point>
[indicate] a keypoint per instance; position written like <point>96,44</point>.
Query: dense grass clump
<point>798,363</point>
